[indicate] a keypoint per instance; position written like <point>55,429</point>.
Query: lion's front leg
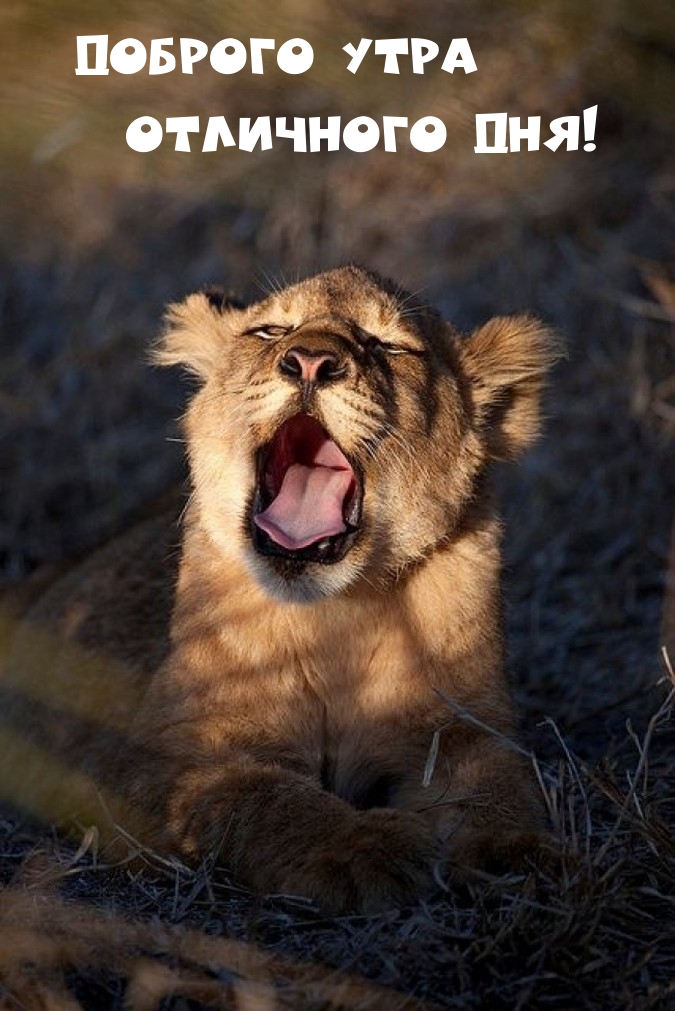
<point>280,832</point>
<point>483,802</point>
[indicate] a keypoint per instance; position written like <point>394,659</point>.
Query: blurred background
<point>96,238</point>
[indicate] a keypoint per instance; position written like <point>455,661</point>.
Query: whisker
<point>273,286</point>
<point>190,499</point>
<point>398,441</point>
<point>405,298</point>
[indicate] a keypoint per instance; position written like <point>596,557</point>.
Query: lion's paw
<point>501,851</point>
<point>383,860</point>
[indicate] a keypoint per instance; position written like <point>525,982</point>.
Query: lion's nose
<point>312,366</point>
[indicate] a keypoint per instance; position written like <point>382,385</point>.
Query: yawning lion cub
<point>284,698</point>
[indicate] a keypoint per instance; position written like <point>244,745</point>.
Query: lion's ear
<point>506,362</point>
<point>195,332</point>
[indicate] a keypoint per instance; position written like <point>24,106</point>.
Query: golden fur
<point>295,714</point>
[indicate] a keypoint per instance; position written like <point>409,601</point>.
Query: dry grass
<point>92,245</point>
<point>593,930</point>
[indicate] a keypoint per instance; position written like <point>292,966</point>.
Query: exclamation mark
<point>590,116</point>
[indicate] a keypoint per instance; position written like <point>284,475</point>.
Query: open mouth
<point>308,500</point>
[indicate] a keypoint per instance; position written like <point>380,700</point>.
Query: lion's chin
<point>307,503</point>
<point>289,581</point>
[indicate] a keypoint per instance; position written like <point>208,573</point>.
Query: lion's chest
<point>349,702</point>
<point>331,694</point>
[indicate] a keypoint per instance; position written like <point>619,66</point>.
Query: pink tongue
<point>308,506</point>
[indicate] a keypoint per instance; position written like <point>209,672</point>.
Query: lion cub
<point>281,698</point>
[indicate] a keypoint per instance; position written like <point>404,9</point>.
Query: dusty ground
<point>95,240</point>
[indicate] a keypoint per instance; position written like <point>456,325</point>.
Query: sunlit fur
<point>328,729</point>
<point>421,449</point>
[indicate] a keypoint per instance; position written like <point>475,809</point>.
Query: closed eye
<point>393,349</point>
<point>372,343</point>
<point>396,349</point>
<point>269,331</point>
